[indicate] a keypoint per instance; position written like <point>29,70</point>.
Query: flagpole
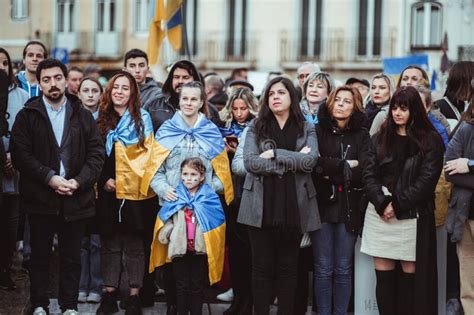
<point>185,31</point>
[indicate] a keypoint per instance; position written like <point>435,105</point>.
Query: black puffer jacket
<point>339,194</point>
<point>413,194</point>
<point>35,154</point>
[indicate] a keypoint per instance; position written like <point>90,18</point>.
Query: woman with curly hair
<point>127,131</point>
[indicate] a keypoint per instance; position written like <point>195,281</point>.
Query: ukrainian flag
<point>157,34</point>
<point>209,138</point>
<point>210,216</point>
<point>131,159</point>
<point>174,24</point>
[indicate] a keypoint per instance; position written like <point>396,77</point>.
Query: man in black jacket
<point>181,72</point>
<point>56,147</point>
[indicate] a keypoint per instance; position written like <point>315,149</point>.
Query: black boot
<point>406,293</point>
<point>235,306</point>
<point>171,309</point>
<point>386,292</point>
<point>6,282</point>
<point>246,308</point>
<point>147,294</point>
<point>108,305</point>
<point>134,306</point>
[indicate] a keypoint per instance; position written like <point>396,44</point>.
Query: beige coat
<point>173,233</point>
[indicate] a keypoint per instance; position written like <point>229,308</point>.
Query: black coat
<point>413,197</point>
<point>118,215</point>
<point>35,154</point>
<point>413,194</point>
<point>331,167</point>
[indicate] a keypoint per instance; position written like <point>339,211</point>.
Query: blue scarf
<point>205,203</point>
<point>125,131</point>
<point>205,133</point>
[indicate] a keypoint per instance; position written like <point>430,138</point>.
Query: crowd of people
<point>178,183</point>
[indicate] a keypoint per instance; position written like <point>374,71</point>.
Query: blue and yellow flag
<point>157,33</point>
<point>131,159</point>
<point>210,215</point>
<point>174,23</point>
<point>209,138</point>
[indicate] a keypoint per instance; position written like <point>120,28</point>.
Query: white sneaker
<point>82,297</point>
<point>39,311</point>
<point>227,296</point>
<point>94,297</point>
<point>71,312</point>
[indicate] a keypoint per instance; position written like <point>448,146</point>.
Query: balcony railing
<point>466,53</point>
<point>214,49</point>
<point>336,47</point>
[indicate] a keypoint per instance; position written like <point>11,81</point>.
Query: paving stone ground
<point>17,302</point>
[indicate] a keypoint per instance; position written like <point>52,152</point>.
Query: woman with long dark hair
<point>458,91</point>
<point>9,177</point>
<point>279,200</point>
<point>343,143</point>
<point>400,175</point>
<point>459,170</point>
<point>128,133</point>
<point>456,99</point>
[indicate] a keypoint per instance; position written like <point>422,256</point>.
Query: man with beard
<point>56,147</point>
<point>181,72</point>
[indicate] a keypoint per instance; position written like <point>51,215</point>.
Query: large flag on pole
<point>157,33</point>
<point>174,24</point>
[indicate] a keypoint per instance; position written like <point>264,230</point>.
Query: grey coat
<point>460,146</point>
<point>251,207</point>
<point>238,167</point>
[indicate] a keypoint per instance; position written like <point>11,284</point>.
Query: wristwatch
<point>470,164</point>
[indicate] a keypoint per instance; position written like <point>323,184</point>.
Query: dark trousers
<point>453,285</point>
<point>151,209</point>
<point>305,264</point>
<point>9,216</point>
<point>190,272</point>
<point>240,256</point>
<point>274,256</point>
<point>42,228</point>
<point>122,249</point>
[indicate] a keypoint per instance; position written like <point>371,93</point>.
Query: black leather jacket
<point>413,194</point>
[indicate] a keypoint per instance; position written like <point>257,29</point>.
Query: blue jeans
<point>333,253</point>
<point>91,278</point>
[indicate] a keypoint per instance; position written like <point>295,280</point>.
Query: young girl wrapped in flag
<point>196,210</point>
<point>190,134</point>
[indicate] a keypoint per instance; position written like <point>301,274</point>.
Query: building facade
<point>346,37</point>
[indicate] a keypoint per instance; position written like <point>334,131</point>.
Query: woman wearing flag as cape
<point>197,209</point>
<point>190,134</point>
<point>128,134</point>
